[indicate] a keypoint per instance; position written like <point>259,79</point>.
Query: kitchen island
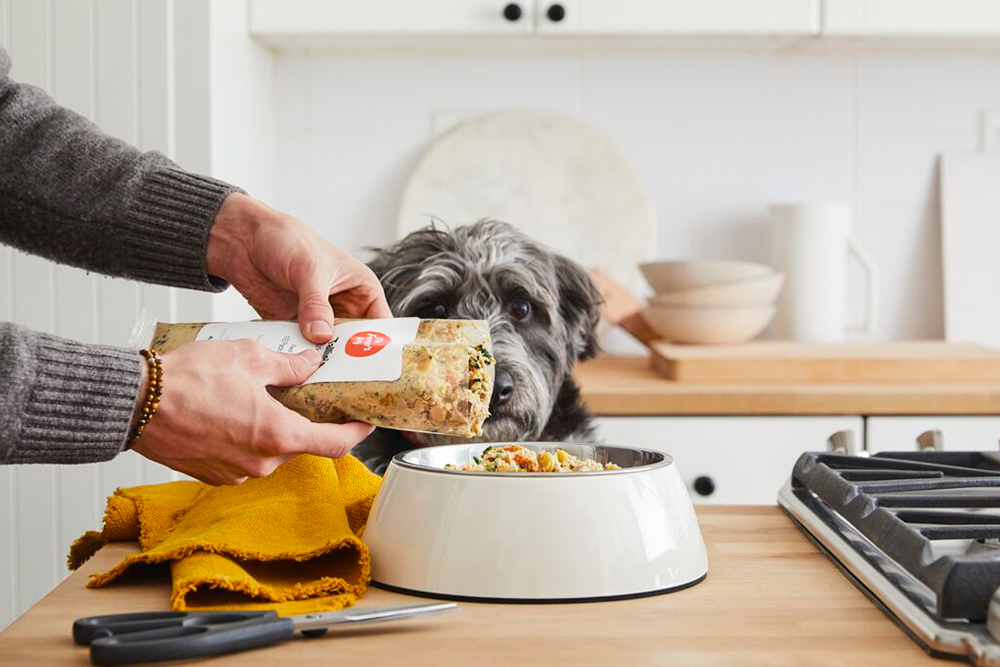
<point>770,599</point>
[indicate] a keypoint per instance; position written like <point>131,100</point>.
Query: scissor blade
<point>363,615</point>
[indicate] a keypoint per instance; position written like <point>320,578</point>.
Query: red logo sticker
<point>365,343</point>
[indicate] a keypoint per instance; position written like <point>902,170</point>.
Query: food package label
<point>359,351</point>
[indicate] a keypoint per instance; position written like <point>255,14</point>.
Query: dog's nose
<point>503,388</point>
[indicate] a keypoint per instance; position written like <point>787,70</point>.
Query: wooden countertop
<point>621,386</point>
<point>770,599</point>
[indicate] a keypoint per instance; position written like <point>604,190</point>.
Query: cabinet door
<point>740,460</point>
<point>899,434</point>
<point>679,17</point>
<point>954,18</point>
<point>274,18</point>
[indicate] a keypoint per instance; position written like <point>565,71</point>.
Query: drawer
<point>728,460</point>
<point>895,434</point>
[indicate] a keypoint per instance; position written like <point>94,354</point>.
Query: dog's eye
<point>437,311</point>
<point>520,309</point>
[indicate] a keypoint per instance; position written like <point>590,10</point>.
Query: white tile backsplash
<point>924,94</point>
<point>363,223</point>
<point>741,166</point>
<point>895,166</point>
<point>294,166</point>
<point>743,94</point>
<point>714,138</point>
<point>290,95</point>
<point>365,165</point>
<point>382,92</point>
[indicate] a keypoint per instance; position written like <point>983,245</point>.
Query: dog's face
<point>542,310</point>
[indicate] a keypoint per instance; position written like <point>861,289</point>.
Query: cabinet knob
<point>556,13</point>
<point>845,442</point>
<point>512,11</point>
<point>931,441</point>
<point>704,485</point>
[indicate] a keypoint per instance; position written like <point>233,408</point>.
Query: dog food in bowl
<point>533,536</point>
<point>441,382</point>
<point>515,458</point>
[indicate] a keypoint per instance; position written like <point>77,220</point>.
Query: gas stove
<point>918,533</point>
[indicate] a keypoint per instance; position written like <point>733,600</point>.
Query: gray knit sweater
<point>72,194</point>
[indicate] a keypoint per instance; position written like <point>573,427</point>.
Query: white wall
<point>714,136</point>
<point>242,125</point>
<point>144,71</point>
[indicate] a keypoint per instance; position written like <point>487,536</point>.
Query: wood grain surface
<point>770,599</point>
<point>620,386</point>
<point>770,361</point>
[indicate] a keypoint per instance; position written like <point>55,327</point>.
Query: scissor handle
<point>126,639</point>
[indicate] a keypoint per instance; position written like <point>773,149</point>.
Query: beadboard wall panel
<point>9,600</point>
<point>115,62</point>
<point>36,551</point>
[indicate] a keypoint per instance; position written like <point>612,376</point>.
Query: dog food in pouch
<point>434,376</point>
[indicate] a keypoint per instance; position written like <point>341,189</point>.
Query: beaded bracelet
<point>154,390</point>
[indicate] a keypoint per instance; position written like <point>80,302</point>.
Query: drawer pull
<point>512,12</point>
<point>704,485</point>
<point>556,13</point>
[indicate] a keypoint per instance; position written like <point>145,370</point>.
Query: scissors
<point>128,639</point>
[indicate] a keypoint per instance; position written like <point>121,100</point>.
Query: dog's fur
<point>478,272</point>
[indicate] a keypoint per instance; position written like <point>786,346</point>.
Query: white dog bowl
<point>542,537</point>
<point>709,325</point>
<point>752,292</point>
<point>685,274</point>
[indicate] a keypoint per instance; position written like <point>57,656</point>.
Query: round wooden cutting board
<point>558,180</point>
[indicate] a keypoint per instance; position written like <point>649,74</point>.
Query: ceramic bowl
<point>709,325</point>
<point>680,275</point>
<point>752,292</point>
<point>540,537</point>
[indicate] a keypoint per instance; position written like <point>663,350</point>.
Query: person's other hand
<point>217,422</point>
<point>288,271</point>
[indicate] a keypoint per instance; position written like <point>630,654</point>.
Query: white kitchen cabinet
<point>899,434</point>
<point>934,18</point>
<point>273,18</point>
<point>677,17</point>
<point>289,24</point>
<point>745,460</point>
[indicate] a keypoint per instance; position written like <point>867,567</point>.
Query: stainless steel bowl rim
<point>657,459</point>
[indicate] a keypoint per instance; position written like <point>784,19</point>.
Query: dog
<point>542,309</point>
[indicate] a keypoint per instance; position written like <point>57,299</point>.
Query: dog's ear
<point>385,263</point>
<point>379,264</point>
<point>579,305</point>
<point>399,266</point>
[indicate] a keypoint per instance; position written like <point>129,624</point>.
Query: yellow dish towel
<point>289,542</point>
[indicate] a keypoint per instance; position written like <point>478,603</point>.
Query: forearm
<point>73,194</point>
<point>62,401</point>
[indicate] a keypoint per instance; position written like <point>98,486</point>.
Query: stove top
<point>918,533</point>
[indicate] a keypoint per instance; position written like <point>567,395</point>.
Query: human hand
<point>249,433</point>
<point>288,271</point>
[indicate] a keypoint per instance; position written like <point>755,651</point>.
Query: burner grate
<point>907,503</point>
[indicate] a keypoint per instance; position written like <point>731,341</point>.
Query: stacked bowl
<point>711,301</point>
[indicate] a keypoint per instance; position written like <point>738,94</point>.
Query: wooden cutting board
<point>970,235</point>
<point>785,361</point>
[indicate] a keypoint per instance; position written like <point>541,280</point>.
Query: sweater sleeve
<point>75,195</point>
<point>62,401</point>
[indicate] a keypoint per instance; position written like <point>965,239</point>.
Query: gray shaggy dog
<point>542,310</point>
